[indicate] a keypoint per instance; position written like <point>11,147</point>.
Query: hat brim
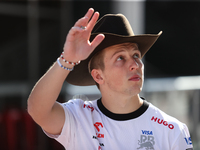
<point>80,75</point>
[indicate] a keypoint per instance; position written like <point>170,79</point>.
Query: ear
<point>97,75</point>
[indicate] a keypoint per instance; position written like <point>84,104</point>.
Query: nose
<point>134,64</point>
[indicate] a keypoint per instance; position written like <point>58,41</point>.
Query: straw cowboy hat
<point>117,30</point>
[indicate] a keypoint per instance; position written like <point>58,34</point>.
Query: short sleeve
<point>67,132</point>
<point>183,142</point>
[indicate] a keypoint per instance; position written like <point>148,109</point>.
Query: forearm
<point>46,90</point>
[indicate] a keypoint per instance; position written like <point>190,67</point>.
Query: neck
<point>122,104</point>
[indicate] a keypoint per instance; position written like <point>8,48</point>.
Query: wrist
<point>65,66</point>
<point>69,62</point>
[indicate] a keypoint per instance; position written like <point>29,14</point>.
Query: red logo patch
<point>165,123</point>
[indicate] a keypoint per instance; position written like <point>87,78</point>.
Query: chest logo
<point>146,141</point>
<point>98,126</point>
<point>161,121</point>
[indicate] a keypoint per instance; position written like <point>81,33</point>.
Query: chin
<point>133,91</point>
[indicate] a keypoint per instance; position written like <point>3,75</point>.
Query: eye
<point>136,55</point>
<point>120,58</point>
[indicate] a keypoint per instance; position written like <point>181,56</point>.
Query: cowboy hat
<point>117,30</point>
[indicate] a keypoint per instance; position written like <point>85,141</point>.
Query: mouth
<point>134,78</point>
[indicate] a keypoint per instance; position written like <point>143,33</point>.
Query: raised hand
<point>77,46</point>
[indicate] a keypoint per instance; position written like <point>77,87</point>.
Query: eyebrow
<point>117,52</point>
<point>121,49</point>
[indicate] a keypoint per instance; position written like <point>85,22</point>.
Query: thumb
<point>97,40</point>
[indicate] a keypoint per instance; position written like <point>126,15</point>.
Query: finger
<point>97,40</point>
<point>93,21</point>
<point>75,30</point>
<point>89,13</point>
<point>81,22</point>
<point>84,20</point>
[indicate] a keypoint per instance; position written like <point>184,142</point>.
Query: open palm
<point>77,46</point>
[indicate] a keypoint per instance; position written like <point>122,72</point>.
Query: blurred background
<point>32,37</point>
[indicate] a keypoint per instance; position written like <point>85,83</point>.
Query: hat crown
<point>114,24</point>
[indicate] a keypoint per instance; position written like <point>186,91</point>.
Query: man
<point>120,119</point>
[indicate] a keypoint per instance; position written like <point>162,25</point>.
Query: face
<point>124,69</point>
